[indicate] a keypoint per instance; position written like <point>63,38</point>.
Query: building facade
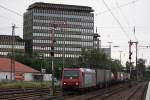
<point>22,72</point>
<point>73,28</point>
<point>6,44</point>
<point>107,51</point>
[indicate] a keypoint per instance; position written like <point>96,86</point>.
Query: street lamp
<point>13,72</point>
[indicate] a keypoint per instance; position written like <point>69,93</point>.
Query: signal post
<point>130,56</point>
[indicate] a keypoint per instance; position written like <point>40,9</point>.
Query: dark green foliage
<point>35,62</point>
<point>97,59</point>
<point>116,66</point>
<point>147,75</point>
<point>141,66</point>
<point>93,59</point>
<point>88,59</point>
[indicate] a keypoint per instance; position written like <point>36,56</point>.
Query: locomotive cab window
<point>69,74</point>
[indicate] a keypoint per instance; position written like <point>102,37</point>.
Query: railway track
<point>102,93</point>
<point>138,93</point>
<point>59,96</point>
<point>122,92</point>
<point>135,93</point>
<point>107,93</point>
<point>23,94</point>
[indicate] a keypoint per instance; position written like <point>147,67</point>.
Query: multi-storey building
<point>6,44</point>
<point>74,29</point>
<point>107,51</point>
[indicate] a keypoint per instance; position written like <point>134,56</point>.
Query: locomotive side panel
<point>89,78</point>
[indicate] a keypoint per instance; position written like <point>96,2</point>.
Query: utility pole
<point>64,51</point>
<point>130,53</point>
<point>110,48</point>
<point>12,76</point>
<point>136,43</point>
<point>52,57</point>
<point>120,56</point>
<point>96,39</point>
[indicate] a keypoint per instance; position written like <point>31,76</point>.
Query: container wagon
<point>100,78</point>
<point>79,79</point>
<point>107,78</point>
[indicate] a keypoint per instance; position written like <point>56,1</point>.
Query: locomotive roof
<point>82,69</point>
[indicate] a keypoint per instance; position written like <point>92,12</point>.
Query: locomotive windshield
<point>71,74</point>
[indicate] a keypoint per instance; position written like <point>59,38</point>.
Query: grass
<point>21,84</point>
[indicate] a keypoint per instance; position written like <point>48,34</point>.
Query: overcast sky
<point>114,26</point>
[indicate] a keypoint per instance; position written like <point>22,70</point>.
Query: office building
<point>6,44</point>
<point>73,28</point>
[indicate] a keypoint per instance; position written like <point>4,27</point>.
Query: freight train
<point>78,79</point>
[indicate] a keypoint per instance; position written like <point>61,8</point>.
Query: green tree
<point>128,65</point>
<point>116,66</point>
<point>141,66</point>
<point>37,62</point>
<point>97,59</point>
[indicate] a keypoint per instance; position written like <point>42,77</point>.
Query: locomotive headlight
<point>64,83</point>
<point>77,83</point>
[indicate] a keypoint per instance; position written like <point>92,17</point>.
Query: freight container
<point>118,76</point>
<point>100,77</point>
<point>112,76</point>
<point>125,76</point>
<point>128,76</point>
<point>121,76</point>
<point>107,77</point>
<point>115,76</point>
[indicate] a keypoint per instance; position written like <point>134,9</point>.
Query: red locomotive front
<point>78,79</point>
<point>71,79</point>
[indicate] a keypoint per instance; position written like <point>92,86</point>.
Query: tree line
<point>89,59</point>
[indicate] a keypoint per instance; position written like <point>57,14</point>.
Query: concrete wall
<point>5,76</point>
<point>28,77</point>
<point>47,77</point>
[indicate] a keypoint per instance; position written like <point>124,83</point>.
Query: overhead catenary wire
<point>134,33</point>
<point>12,11</point>
<point>123,15</point>
<point>120,6</point>
<point>125,18</point>
<point>134,27</point>
<point>116,20</point>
